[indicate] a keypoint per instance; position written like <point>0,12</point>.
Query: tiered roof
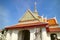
<point>32,19</point>
<point>52,22</point>
<point>27,25</point>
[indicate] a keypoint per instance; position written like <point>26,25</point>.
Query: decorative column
<point>8,35</point>
<point>32,34</point>
<point>14,35</point>
<point>44,34</point>
<point>20,35</point>
<point>35,34</point>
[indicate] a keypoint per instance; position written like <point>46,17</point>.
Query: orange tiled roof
<point>28,25</point>
<point>52,22</point>
<point>53,29</point>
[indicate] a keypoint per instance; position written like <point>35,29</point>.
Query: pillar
<point>14,35</point>
<point>32,34</point>
<point>20,35</point>
<point>8,35</point>
<point>44,34</point>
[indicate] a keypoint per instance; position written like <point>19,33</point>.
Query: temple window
<point>53,36</point>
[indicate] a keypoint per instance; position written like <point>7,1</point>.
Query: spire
<point>35,10</point>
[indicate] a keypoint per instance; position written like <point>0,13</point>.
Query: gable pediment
<point>27,16</point>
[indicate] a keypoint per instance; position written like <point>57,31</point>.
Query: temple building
<point>34,27</point>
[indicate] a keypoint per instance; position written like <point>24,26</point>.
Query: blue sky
<point>12,10</point>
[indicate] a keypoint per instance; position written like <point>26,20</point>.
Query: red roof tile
<point>57,29</point>
<point>27,25</point>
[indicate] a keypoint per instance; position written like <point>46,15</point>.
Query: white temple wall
<point>8,35</point>
<point>44,34</point>
<point>48,36</point>
<point>20,35</point>
<point>14,35</point>
<point>32,34</point>
<point>58,35</point>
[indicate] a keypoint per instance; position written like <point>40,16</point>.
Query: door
<point>26,35</point>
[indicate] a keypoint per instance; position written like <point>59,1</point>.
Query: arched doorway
<point>24,35</point>
<point>53,36</point>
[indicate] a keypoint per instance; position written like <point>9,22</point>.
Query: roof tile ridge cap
<point>50,18</point>
<point>29,10</point>
<point>31,13</point>
<point>55,19</point>
<point>23,15</point>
